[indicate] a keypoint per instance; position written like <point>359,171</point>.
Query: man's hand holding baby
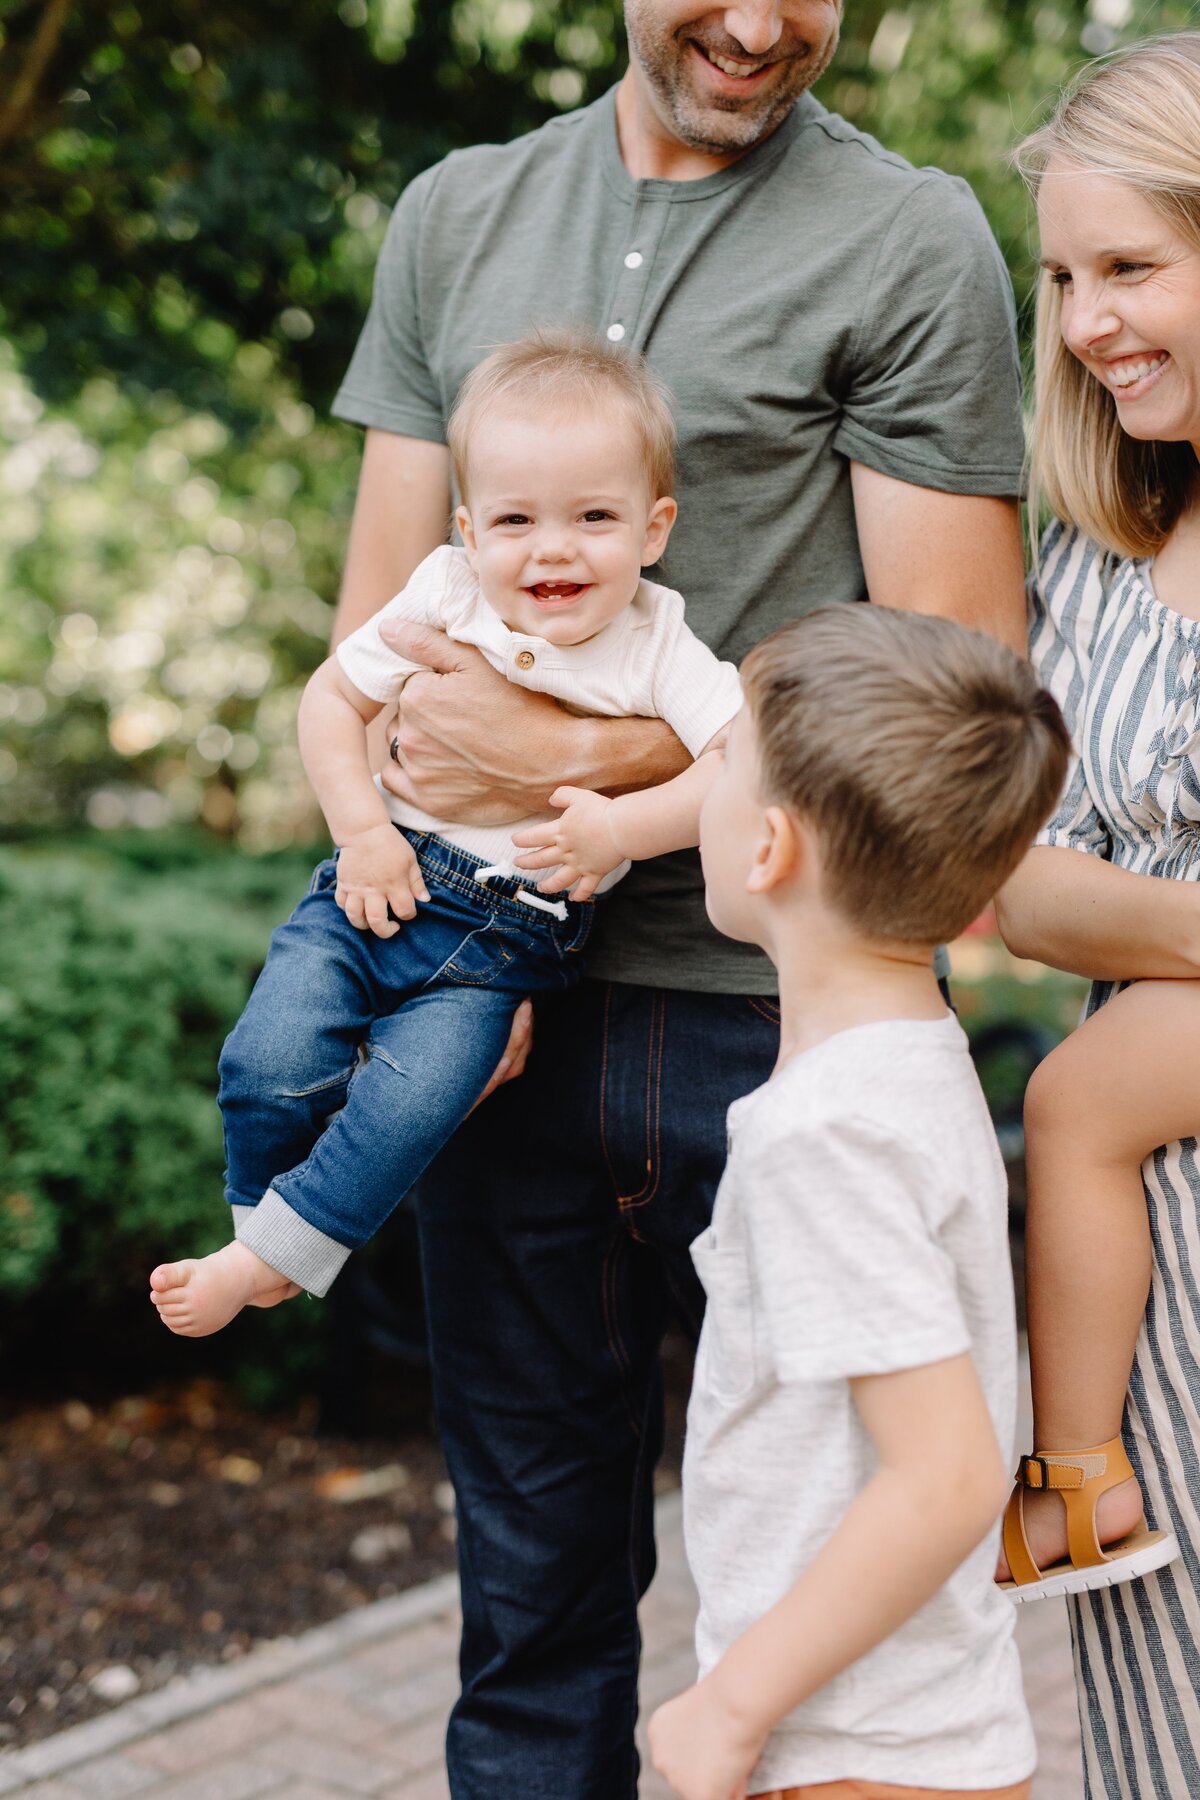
<point>580,845</point>
<point>377,869</point>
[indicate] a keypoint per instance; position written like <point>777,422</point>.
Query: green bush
<point>120,979</point>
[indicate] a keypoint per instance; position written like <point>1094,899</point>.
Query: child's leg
<point>1120,1086</point>
<point>285,1067</point>
<point>425,1068</point>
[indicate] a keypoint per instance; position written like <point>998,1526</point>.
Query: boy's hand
<point>701,1748</point>
<point>378,868</point>
<point>579,845</point>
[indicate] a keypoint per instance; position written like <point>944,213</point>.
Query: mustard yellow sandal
<point>1080,1476</point>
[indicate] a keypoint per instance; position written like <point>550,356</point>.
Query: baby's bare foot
<point>204,1293</point>
<point>1117,1512</point>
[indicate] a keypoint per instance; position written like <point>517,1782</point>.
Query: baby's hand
<point>700,1749</point>
<point>376,869</point>
<point>579,845</point>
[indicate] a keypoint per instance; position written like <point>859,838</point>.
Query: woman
<point>1116,636</point>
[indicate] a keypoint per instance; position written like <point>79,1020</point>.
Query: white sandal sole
<point>1153,1552</point>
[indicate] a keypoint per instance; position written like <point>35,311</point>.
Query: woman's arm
<point>1077,911</point>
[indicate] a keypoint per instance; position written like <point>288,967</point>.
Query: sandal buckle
<point>1025,1467</point>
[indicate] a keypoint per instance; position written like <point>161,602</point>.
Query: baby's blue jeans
<point>357,1057</point>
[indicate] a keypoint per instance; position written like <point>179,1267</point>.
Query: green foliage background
<point>192,197</point>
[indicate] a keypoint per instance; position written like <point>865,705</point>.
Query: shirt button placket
<point>629,292</point>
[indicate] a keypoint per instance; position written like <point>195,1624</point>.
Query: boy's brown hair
<point>925,756</point>
<point>567,368</point>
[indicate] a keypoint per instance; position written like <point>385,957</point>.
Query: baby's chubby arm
<point>376,867</point>
<point>936,1494</point>
<point>593,834</point>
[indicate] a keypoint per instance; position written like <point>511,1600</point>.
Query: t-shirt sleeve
<point>1065,599</point>
<point>426,599</point>
<point>694,691</point>
<point>389,382</point>
<point>933,389</point>
<point>851,1275</point>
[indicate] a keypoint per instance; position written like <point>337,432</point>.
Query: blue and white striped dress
<point>1126,671</point>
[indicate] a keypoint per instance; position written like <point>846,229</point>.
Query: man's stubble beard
<point>663,60</point>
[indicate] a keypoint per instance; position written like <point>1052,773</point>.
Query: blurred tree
<point>181,176</point>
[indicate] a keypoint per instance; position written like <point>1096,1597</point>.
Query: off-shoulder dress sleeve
<point>1066,594</point>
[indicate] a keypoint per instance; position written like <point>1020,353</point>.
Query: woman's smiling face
<point>1130,289</point>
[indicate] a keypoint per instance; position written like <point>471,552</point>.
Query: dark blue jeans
<point>555,1230</point>
<point>357,1056</point>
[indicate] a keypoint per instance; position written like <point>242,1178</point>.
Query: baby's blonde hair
<point>567,368</point>
<point>1135,117</point>
<point>925,757</point>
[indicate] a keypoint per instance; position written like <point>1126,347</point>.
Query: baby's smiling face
<point>559,521</point>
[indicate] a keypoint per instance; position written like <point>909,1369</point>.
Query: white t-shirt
<point>860,1228</point>
<point>646,661</point>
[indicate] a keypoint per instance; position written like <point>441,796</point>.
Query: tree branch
<point>42,46</point>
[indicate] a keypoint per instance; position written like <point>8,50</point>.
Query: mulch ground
<point>145,1536</point>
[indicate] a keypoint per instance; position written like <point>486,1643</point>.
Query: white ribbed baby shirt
<point>646,662</point>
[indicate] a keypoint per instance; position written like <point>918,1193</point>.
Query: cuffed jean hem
<point>290,1244</point>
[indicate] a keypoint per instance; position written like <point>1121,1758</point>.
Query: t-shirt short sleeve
<point>934,392</point>
<point>389,382</point>
<point>427,598</point>
<point>852,1278</point>
<point>694,691</point>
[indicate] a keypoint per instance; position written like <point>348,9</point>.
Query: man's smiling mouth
<point>735,69</point>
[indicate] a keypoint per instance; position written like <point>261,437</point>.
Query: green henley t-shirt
<point>818,301</point>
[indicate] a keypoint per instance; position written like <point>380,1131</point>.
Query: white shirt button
<point>525,659</point>
<point>616,333</point>
<point>634,260</point>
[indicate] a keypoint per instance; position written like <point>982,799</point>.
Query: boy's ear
<point>662,516</point>
<point>780,853</point>
<point>466,532</point>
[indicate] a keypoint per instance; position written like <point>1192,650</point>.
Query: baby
<point>387,998</point>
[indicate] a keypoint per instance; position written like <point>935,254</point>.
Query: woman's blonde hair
<point>1134,116</point>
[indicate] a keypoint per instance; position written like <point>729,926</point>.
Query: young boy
<point>856,1374</point>
<point>387,998</point>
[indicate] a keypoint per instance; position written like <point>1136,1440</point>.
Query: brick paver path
<point>359,1707</point>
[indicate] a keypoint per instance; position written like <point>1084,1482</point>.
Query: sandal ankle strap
<point>1067,1472</point>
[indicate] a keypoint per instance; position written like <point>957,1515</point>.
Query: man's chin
<point>721,123</point>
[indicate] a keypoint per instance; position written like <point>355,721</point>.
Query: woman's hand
<point>378,869</point>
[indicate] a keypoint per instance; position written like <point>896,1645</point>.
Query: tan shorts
<point>883,1790</point>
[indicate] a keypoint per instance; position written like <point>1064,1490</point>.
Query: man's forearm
<point>1076,911</point>
<point>619,756</point>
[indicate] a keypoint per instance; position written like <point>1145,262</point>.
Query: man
<point>836,330</point>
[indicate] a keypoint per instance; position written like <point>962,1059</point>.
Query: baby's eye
<point>1059,277</point>
<point>1130,268</point>
<point>513,519</point>
<point>596,516</point>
